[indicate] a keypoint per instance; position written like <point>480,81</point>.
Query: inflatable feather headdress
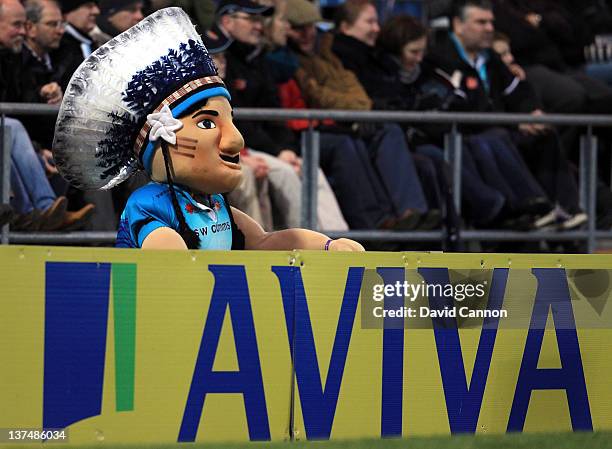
<point>102,133</point>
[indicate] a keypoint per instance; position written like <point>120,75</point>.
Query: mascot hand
<point>345,245</point>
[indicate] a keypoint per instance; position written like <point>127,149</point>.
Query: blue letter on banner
<point>318,404</point>
<point>76,314</point>
<point>463,403</point>
<point>393,359</point>
<point>552,292</point>
<point>231,290</point>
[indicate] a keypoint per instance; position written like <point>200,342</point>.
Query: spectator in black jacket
<point>490,86</point>
<point>76,43</point>
<point>44,30</point>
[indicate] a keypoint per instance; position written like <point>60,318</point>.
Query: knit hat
<point>71,5</point>
<point>128,94</point>
<point>302,12</point>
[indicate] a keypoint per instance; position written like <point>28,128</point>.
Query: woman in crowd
<point>492,168</point>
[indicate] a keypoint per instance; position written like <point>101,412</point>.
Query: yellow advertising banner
<point>130,346</point>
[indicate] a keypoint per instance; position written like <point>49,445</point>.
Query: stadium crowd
<point>527,56</point>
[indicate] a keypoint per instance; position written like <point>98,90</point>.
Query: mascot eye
<point>206,124</point>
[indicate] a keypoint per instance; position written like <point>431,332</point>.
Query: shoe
<point>53,217</point>
<point>6,214</point>
<point>408,221</point>
<point>26,222</point>
<point>574,221</point>
<point>77,219</point>
<point>547,219</point>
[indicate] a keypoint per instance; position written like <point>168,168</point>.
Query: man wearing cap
<point>324,81</point>
<point>249,78</point>
<point>76,43</point>
<point>115,17</point>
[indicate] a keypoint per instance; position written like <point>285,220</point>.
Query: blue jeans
<point>29,183</point>
<point>350,174</point>
<point>483,202</point>
<point>373,181</point>
<point>396,168</point>
<point>502,167</point>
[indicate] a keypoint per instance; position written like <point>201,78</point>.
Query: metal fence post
<point>583,174</point>
<point>310,164</point>
<point>588,184</point>
<point>592,205</point>
<point>5,172</point>
<point>453,154</point>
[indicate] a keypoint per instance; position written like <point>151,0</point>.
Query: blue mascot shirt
<point>150,207</point>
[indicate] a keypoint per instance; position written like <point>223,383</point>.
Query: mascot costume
<point>151,99</point>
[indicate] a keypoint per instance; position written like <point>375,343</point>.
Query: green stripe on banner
<point>124,306</point>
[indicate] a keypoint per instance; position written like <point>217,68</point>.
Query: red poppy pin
<point>217,205</point>
<point>471,83</point>
<point>239,84</point>
<point>189,208</point>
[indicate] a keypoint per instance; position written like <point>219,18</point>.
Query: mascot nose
<point>231,140</point>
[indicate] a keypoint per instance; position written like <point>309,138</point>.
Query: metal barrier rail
<point>310,154</point>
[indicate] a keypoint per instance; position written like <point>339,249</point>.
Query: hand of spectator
<point>517,71</point>
<point>292,159</point>
<point>258,164</point>
<point>47,158</point>
<point>52,93</point>
<point>534,19</point>
<point>534,129</point>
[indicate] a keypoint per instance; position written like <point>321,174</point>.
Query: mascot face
<point>206,154</point>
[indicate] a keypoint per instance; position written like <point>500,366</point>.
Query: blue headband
<point>177,110</point>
